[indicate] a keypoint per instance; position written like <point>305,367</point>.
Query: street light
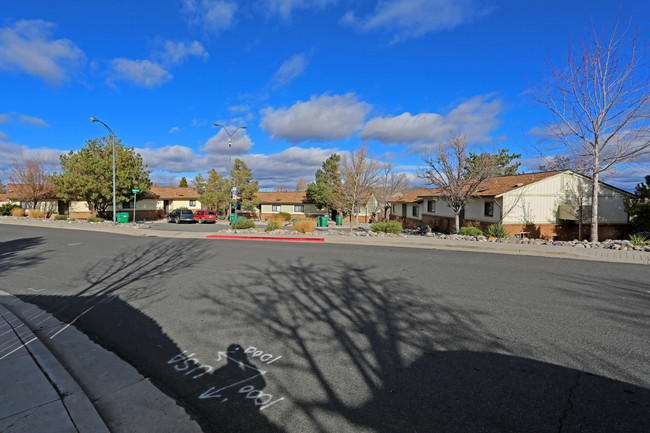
<point>230,134</point>
<point>92,119</point>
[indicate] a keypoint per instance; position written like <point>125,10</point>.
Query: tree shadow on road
<point>383,354</point>
<point>16,253</point>
<point>104,310</point>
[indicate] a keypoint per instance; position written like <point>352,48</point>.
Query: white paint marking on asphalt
<point>73,320</point>
<point>34,290</point>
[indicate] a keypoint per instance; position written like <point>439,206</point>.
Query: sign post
<point>234,197</point>
<point>135,193</point>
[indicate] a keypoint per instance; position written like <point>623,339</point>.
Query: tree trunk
<point>594,208</point>
<point>457,222</point>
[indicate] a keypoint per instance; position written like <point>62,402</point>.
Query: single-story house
<point>298,205</point>
<point>540,205</point>
<point>292,202</point>
<point>155,204</point>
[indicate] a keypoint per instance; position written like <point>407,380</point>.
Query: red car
<point>205,216</point>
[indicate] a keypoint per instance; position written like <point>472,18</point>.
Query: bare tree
<point>599,102</point>
<point>301,185</point>
<point>32,180</point>
<point>449,170</point>
<point>359,173</point>
<point>281,188</point>
<point>389,184</point>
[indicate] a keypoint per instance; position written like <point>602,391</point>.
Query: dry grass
<point>304,226</point>
<point>18,212</point>
<point>36,213</point>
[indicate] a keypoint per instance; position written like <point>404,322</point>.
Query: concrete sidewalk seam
<point>82,414</point>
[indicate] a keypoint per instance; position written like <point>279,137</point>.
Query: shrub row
<point>394,227</point>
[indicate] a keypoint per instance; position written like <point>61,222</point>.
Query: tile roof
<point>285,197</point>
<point>3,198</point>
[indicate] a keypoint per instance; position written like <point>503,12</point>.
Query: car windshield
<point>186,212</point>
<point>209,213</point>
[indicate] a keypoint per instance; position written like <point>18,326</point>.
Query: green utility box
<point>122,217</point>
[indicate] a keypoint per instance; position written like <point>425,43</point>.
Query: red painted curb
<point>263,238</point>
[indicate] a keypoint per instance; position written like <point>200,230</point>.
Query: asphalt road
<point>286,337</point>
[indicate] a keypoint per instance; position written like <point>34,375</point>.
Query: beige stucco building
<point>540,205</point>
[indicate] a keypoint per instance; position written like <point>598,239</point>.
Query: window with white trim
<point>431,206</point>
<point>276,207</point>
<point>192,202</point>
<point>416,210</point>
<point>299,208</point>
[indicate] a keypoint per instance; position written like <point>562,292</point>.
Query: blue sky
<point>307,77</point>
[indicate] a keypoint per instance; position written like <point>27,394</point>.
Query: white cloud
<point>140,72</point>
<point>175,159</point>
<point>5,118</point>
<point>212,16</point>
<point>174,129</point>
<point>284,8</point>
<point>175,53</point>
<point>12,151</point>
<point>407,19</point>
<point>28,47</point>
<point>3,136</point>
<point>323,117</point>
<point>475,118</point>
<point>241,143</point>
<point>35,121</point>
<point>290,69</point>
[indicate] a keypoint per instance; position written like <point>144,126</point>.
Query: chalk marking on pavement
<point>73,320</point>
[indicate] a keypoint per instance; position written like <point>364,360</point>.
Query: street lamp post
<point>230,134</point>
<point>92,119</point>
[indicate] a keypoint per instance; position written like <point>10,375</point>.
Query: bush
<point>497,231</point>
<point>387,227</point>
<point>470,231</point>
<point>475,224</point>
<point>281,217</point>
<point>95,220</point>
<point>272,225</point>
<point>6,209</point>
<point>36,213</point>
<point>304,225</point>
<point>638,240</point>
<point>244,224</point>
<point>61,217</point>
<point>18,212</point>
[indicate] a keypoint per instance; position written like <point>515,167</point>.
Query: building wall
<point>538,203</point>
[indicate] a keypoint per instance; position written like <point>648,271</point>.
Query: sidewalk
<point>409,241</point>
<point>55,379</point>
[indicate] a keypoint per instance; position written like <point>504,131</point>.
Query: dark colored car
<point>180,216</point>
<point>205,216</point>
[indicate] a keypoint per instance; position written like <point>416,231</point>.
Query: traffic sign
<point>135,191</point>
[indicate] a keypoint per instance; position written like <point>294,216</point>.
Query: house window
<point>276,207</point>
<point>394,210</point>
<point>431,206</point>
<point>416,210</point>
<point>192,202</point>
<point>488,210</point>
<point>299,208</point>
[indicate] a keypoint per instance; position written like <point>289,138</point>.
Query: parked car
<point>180,216</point>
<point>205,216</point>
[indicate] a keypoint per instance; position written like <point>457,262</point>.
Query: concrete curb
<point>81,411</point>
<point>266,238</point>
<point>601,255</point>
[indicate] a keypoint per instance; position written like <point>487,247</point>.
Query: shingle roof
<point>285,197</point>
<point>3,198</point>
<point>13,191</point>
<point>491,187</point>
<point>170,192</point>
